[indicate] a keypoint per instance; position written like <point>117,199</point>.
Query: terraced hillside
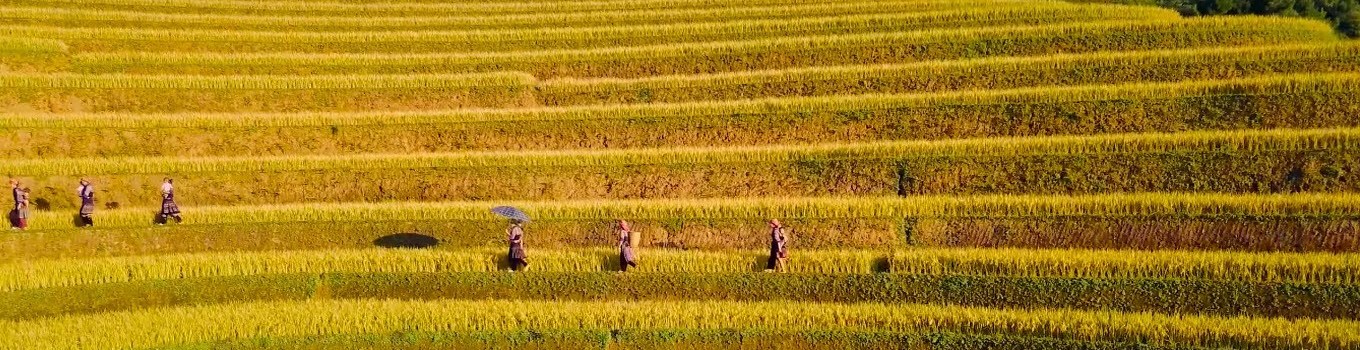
<point>980,174</point>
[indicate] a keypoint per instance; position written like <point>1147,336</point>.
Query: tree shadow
<point>406,240</point>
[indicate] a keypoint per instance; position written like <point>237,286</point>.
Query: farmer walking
<point>86,193</point>
<point>168,207</point>
<point>627,258</point>
<point>779,249</point>
<point>14,216</point>
<point>518,260</point>
<point>22,209</point>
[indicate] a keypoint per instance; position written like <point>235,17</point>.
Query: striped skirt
<point>168,207</point>
<point>87,207</point>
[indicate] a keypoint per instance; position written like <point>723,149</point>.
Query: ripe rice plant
<point>163,327</point>
<point>54,93</point>
<point>1270,231</point>
<point>143,40</point>
<point>21,54</point>
<point>711,57</point>
<point>1225,266</point>
<point>393,9</point>
<point>339,232</point>
<point>19,45</point>
<point>1158,221</point>
<point>1198,141</point>
<point>1150,204</point>
<point>1211,297</point>
<point>77,17</point>
<point>659,339</point>
<point>1121,264</point>
<point>60,273</point>
<point>1257,162</point>
<point>1298,101</point>
<point>246,82</point>
<point>987,73</point>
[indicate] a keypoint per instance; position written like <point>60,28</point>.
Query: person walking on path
<point>13,215</point>
<point>518,260</point>
<point>86,193</point>
<point>627,258</point>
<point>779,249</point>
<point>168,207</point>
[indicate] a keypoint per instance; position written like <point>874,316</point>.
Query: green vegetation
<point>1344,14</point>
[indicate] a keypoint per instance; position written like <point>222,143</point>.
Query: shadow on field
<point>406,240</point>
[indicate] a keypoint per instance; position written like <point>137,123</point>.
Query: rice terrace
<point>680,174</point>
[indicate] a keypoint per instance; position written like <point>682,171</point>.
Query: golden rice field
<point>988,174</point>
